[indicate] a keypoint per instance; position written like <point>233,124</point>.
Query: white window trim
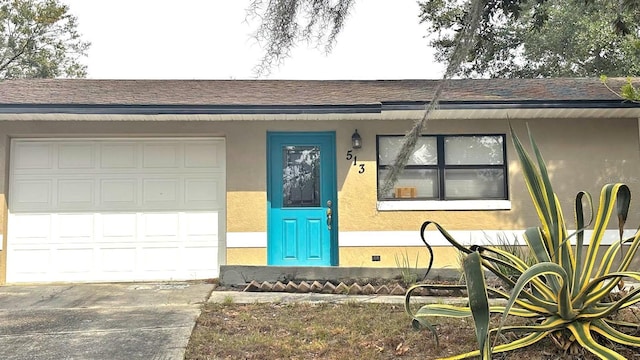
<point>395,205</point>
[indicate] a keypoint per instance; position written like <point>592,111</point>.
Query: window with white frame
<point>446,167</point>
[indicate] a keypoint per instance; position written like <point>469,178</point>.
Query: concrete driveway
<point>99,321</point>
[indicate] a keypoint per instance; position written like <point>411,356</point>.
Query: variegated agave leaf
<point>569,285</point>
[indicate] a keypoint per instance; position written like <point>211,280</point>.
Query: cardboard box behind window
<point>406,192</point>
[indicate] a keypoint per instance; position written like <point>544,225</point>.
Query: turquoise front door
<point>301,196</point>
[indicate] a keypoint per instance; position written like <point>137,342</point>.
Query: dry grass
<point>334,331</point>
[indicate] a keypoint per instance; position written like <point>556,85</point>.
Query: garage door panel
<point>76,193</point>
<point>115,227</point>
<point>161,225</point>
<point>32,194</point>
<point>202,224</point>
<point>158,259</point>
<point>118,156</point>
<point>74,260</point>
<point>30,156</point>
<point>30,261</point>
<point>199,191</point>
<point>30,228</point>
<point>203,155</point>
<point>117,259</point>
<point>201,258</point>
<point>160,192</point>
<point>118,193</point>
<point>160,156</point>
<point>74,228</point>
<point>76,156</point>
<point>115,210</point>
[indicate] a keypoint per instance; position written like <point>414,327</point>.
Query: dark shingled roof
<point>296,92</point>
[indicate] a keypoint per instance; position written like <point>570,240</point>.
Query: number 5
<point>349,154</point>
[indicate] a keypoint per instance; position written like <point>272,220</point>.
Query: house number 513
<point>350,157</point>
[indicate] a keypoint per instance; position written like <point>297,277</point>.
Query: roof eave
<point>408,110</point>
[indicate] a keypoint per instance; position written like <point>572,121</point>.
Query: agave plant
<point>566,291</point>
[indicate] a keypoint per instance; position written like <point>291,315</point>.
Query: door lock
<point>329,214</point>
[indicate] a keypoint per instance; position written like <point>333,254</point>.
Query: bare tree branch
<point>17,55</point>
<point>464,42</point>
<point>281,30</point>
<point>285,23</point>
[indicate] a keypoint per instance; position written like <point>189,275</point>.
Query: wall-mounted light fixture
<point>356,140</point>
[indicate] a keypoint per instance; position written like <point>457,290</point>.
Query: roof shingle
<point>295,92</point>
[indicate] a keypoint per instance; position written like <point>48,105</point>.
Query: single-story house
<point>123,180</point>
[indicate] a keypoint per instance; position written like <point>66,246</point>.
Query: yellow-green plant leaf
<point>418,322</point>
<point>446,235</point>
<point>446,310</point>
<point>520,266</point>
<point>568,288</point>
<point>535,239</point>
<point>536,186</point>
<point>516,344</point>
<point>581,331</point>
<point>453,311</point>
<point>612,334</point>
<point>560,250</point>
<point>608,197</point>
<point>478,301</point>
<point>606,309</point>
<point>429,249</point>
<point>564,308</point>
<point>580,226</point>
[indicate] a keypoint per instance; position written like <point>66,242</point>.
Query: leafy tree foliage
<point>39,39</point>
<point>541,38</point>
<point>628,91</point>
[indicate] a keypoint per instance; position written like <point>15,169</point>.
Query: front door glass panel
<point>301,176</point>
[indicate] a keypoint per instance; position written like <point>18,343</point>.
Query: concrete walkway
<point>99,321</point>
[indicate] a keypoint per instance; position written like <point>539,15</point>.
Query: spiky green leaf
<point>478,301</point>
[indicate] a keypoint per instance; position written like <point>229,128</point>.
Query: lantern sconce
<point>356,140</point>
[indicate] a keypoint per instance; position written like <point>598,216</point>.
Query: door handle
<point>329,214</point>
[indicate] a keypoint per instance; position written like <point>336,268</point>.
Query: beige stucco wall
<point>582,154</point>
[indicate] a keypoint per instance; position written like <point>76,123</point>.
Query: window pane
<point>473,150</point>
<point>425,152</point>
<point>474,184</point>
<point>412,183</point>
<point>301,176</point>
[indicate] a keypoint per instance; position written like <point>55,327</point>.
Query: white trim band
<point>412,238</point>
<point>246,240</point>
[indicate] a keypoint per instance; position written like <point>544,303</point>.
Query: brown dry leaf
<point>401,349</point>
<point>371,344</point>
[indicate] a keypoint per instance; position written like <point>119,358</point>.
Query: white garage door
<point>115,209</point>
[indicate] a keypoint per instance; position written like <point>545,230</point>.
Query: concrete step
<point>240,275</point>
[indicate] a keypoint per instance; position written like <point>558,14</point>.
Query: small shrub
<point>228,300</point>
<point>408,274</point>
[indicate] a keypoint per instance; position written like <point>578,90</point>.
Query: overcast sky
<point>210,39</point>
